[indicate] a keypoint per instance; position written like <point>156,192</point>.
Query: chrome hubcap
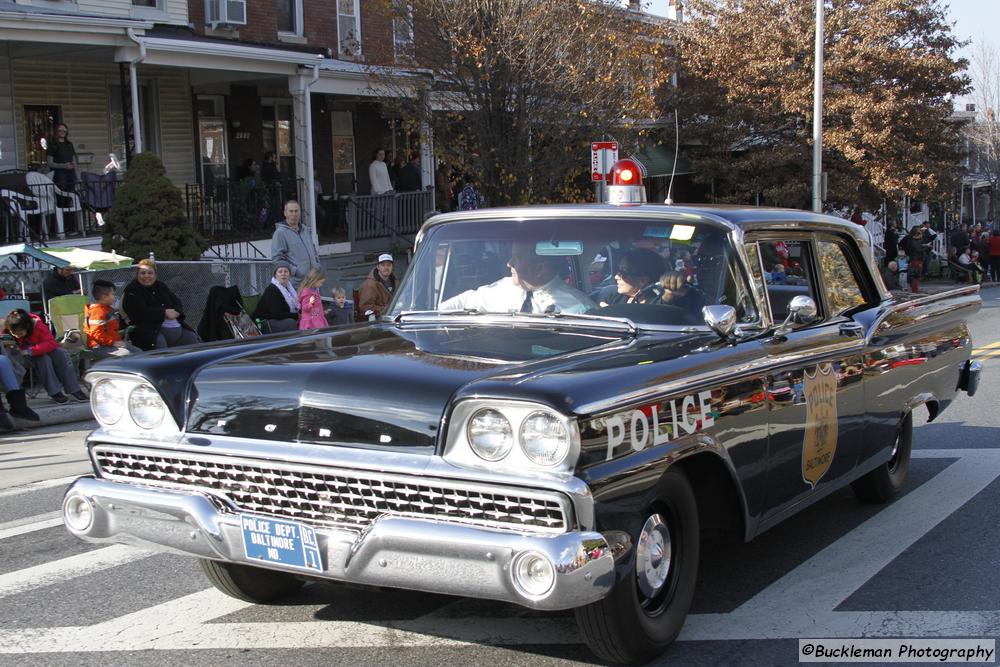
<point>652,558</point>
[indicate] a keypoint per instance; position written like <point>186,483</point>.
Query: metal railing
<point>238,211</point>
<point>189,281</point>
<point>394,215</point>
<point>33,209</point>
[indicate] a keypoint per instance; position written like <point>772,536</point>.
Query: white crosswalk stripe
<point>801,603</point>
<point>64,569</point>
<point>30,524</point>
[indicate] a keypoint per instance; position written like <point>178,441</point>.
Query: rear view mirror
<point>801,310</point>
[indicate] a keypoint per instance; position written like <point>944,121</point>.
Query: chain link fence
<point>190,281</point>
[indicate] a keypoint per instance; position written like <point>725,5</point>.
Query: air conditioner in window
<point>225,13</point>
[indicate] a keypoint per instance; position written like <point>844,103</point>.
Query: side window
<point>843,291</point>
<point>786,271</point>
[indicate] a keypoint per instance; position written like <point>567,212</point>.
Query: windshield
<point>650,271</point>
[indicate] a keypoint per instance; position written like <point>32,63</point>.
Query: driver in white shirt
<point>534,286</point>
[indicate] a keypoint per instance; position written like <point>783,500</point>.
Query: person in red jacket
<point>48,359</point>
<point>100,324</point>
<point>994,248</point>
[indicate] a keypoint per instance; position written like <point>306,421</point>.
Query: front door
<point>815,385</point>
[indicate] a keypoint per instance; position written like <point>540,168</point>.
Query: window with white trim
<point>289,17</point>
<point>402,29</point>
<point>348,28</point>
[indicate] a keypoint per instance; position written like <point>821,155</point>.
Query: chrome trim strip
<point>692,382</point>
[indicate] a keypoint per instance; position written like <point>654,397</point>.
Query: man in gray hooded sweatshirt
<point>292,243</point>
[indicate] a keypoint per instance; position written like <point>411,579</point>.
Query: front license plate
<point>281,542</point>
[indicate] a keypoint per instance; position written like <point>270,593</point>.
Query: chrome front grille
<point>335,497</point>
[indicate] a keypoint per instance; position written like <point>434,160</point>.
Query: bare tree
<point>516,89</point>
<point>984,131</point>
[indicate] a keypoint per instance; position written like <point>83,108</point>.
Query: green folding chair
<point>67,315</point>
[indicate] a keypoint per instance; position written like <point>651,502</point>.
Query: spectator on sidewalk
<point>15,395</point>
<point>469,199</point>
<point>913,246</point>
<point>890,275</point>
<point>155,312</point>
<point>339,312</point>
<point>890,243</point>
<point>995,254</point>
<point>377,289</point>
<point>279,304</point>
<point>959,239</point>
<point>291,244</point>
<point>61,281</point>
<point>101,324</point>
<point>40,349</point>
<point>311,315</point>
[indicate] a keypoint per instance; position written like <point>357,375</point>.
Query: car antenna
<point>673,170</point>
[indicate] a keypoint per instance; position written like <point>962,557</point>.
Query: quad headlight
<point>544,438</point>
<point>108,402</point>
<point>512,434</point>
<point>490,435</point>
<point>146,407</point>
<point>128,403</point>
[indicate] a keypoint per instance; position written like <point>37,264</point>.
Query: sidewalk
<point>51,412</point>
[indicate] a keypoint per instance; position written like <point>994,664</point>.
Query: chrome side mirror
<point>801,310</point>
<point>720,319</point>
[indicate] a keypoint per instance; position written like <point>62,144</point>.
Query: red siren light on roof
<point>625,183</point>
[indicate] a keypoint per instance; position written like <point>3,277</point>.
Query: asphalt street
<point>925,566</point>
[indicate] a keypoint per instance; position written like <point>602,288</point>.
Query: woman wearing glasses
<point>636,277</point>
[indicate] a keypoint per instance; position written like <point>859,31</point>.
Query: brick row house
<point>207,85</point>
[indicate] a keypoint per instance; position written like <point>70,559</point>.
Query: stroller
<point>225,317</point>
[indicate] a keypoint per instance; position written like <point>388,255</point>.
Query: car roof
<point>743,218</point>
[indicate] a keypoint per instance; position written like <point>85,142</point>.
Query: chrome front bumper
<point>398,552</point>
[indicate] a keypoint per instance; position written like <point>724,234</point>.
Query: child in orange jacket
<point>101,324</point>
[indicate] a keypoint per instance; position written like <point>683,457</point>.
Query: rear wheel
<point>886,481</point>
<point>646,609</point>
<point>248,583</point>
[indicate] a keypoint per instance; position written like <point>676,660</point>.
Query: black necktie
<point>526,306</point>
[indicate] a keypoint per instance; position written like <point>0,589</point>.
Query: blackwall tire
<point>630,625</point>
<point>248,583</point>
<point>886,481</point>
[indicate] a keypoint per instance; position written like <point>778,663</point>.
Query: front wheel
<point>248,583</point>
<point>886,481</point>
<point>646,609</point>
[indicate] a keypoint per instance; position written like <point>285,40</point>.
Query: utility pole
<point>818,114</point>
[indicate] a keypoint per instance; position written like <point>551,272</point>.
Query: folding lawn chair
<point>66,316</point>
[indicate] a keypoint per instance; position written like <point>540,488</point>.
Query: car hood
<point>377,386</point>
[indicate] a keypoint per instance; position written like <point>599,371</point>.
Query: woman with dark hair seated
<point>636,278</point>
<point>279,304</point>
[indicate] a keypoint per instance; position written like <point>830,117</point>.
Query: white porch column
<point>426,145</point>
<point>299,86</point>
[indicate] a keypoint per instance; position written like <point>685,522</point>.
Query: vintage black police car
<point>559,402</point>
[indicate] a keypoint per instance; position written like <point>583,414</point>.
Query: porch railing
<point>238,211</point>
<point>33,209</point>
<point>393,215</point>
